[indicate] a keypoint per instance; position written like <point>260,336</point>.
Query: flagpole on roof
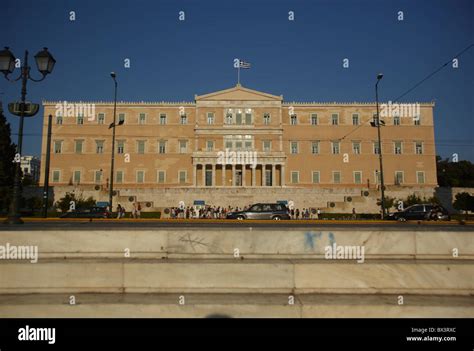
<point>238,75</point>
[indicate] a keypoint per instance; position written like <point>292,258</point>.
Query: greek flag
<point>244,65</point>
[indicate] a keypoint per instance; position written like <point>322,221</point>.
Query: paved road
<point>146,224</point>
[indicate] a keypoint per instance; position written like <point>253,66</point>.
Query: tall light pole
<point>111,190</point>
<point>45,63</point>
<point>382,185</point>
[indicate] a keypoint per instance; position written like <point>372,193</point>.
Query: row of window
<point>357,177</point>
<point>236,144</point>
<point>357,147</point>
<point>182,177</point>
<point>239,119</point>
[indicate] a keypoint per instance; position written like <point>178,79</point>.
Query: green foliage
<point>389,202</point>
<point>464,202</point>
<point>455,174</point>
<point>7,169</point>
<point>64,203</point>
<point>414,199</point>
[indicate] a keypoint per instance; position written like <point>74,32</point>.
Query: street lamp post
<point>45,63</point>
<point>382,185</point>
<point>111,190</point>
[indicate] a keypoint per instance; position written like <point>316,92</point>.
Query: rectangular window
<point>80,119</point>
<point>140,146</point>
<point>248,145</point>
<point>56,176</point>
<point>396,120</point>
<point>336,177</point>
<point>120,146</point>
<point>266,119</point>
<point>293,120</point>
<point>210,118</point>
<point>160,177</point>
<point>357,177</point>
<point>228,144</point>
<point>295,177</point>
<point>355,119</point>
<point>356,147</point>
<point>182,177</point>
<point>397,147</point>
<point>184,119</point>
<point>183,146</point>
<point>210,145</point>
<point>335,119</point>
<point>376,148</point>
<point>162,118</point>
<point>238,118</point>
<point>315,147</point>
<point>119,177</point>
<point>77,177</point>
<point>101,118</point>
<point>377,177</point>
<point>140,176</point>
<point>98,177</point>
<point>58,146</point>
<point>335,147</point>
<point>59,119</point>
<point>398,177</point>
<point>294,147</point>
<point>314,119</point>
<point>248,118</point>
<point>121,117</point>
<point>419,148</point>
<point>78,146</point>
<point>267,145</point>
<point>238,145</point>
<point>229,118</point>
<point>99,146</point>
<point>142,118</point>
<point>416,120</point>
<point>162,147</point>
<point>315,177</point>
<point>420,177</point>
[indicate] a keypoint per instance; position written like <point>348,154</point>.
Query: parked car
<point>421,212</point>
<point>93,212</point>
<point>262,211</point>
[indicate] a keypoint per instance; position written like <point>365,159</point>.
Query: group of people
<point>220,212</point>
<point>136,211</point>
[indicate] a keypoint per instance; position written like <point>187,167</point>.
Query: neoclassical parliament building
<point>169,151</point>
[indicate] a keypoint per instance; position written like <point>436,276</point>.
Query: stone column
<point>213,174</point>
<point>223,175</point>
<point>282,175</point>
<point>263,174</point>
<point>203,174</point>
<point>243,174</point>
<point>273,175</point>
<point>254,171</point>
<point>233,175</point>
<point>195,175</point>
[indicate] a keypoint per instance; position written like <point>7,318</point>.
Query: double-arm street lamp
<point>45,63</point>
<point>377,124</point>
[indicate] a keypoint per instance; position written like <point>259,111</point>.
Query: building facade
<point>239,138</point>
<point>30,166</point>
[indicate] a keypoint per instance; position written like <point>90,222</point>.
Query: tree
<point>454,174</point>
<point>64,203</point>
<point>389,202</point>
<point>464,202</point>
<point>7,169</point>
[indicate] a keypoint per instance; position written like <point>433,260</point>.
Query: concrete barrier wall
<point>250,243</point>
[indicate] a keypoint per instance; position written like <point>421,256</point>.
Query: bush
<point>64,204</point>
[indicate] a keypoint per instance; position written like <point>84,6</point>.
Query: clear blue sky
<point>301,59</point>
